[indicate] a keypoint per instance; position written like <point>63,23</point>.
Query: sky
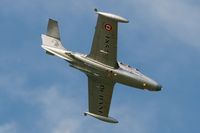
<point>41,93</point>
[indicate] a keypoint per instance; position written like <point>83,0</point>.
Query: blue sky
<point>40,93</point>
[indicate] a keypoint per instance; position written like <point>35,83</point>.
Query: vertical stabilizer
<point>52,29</point>
<point>52,37</point>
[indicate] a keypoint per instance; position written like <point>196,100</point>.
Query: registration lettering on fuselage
<point>101,99</point>
<point>107,43</point>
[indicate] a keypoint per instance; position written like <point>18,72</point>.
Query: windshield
<point>128,67</point>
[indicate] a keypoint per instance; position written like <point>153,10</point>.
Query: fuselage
<point>123,74</point>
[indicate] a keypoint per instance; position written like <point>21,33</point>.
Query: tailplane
<point>52,37</point>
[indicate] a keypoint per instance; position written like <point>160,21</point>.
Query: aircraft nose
<point>153,85</point>
<point>158,87</point>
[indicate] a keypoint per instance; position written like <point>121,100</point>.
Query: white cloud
<point>137,118</point>
<point>66,126</point>
<point>59,112</point>
<point>179,18</point>
<point>62,113</point>
<point>33,7</point>
<point>8,128</point>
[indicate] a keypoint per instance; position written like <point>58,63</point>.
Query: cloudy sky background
<point>40,93</point>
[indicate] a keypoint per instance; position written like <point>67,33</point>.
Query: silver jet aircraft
<point>100,65</point>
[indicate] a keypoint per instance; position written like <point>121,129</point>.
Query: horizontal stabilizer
<point>52,37</point>
<point>51,42</point>
<point>47,52</point>
<point>103,118</point>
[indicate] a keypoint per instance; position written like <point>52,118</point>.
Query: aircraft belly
<point>137,81</point>
<point>58,52</point>
<point>103,71</point>
<point>115,75</point>
<point>90,69</point>
<point>129,80</point>
<point>93,67</point>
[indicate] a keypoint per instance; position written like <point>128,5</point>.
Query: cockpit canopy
<point>128,68</point>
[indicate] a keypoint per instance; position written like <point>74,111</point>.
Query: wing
<point>104,46</point>
<point>100,95</point>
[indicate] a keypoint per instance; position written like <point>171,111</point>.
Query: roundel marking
<point>108,27</point>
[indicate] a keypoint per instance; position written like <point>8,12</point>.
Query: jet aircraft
<point>100,65</point>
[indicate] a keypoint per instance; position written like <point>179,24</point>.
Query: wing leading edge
<point>100,95</point>
<point>104,46</point>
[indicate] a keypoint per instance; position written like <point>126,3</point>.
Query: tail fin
<point>52,29</point>
<point>52,37</point>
